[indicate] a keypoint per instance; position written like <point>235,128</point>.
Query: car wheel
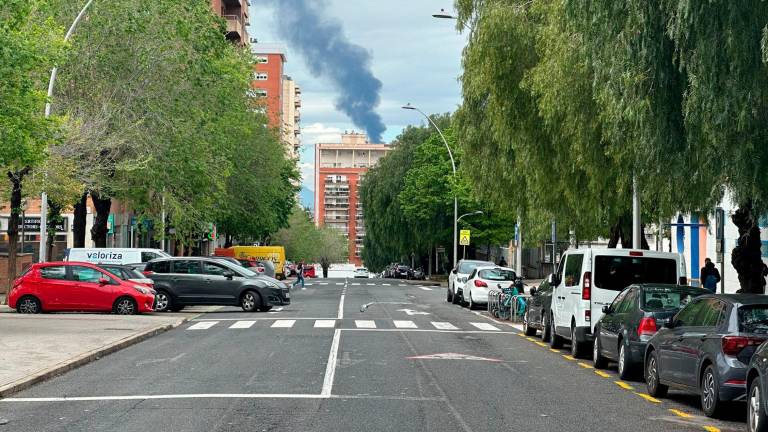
<point>710,391</point>
<point>756,416</point>
<point>653,385</point>
<point>28,305</point>
<point>449,297</point>
<point>555,341</point>
<point>625,369</point>
<point>456,299</point>
<point>598,360</point>
<point>577,349</point>
<point>472,305</point>
<point>163,302</point>
<point>529,331</point>
<point>250,301</point>
<point>125,306</point>
<point>546,332</point>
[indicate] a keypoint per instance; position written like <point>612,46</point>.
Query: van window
<point>149,256</point>
<point>573,270</point>
<point>618,272</point>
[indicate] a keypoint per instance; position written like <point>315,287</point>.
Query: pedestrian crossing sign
<point>464,238</point>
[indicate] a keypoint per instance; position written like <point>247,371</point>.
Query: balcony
<point>235,28</point>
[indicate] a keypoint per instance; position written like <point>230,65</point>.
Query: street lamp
<point>44,196</point>
<point>445,15</point>
<point>475,213</point>
<point>453,165</point>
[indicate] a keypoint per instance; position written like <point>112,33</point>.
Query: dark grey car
<point>757,381</point>
<point>185,281</point>
<point>706,348</point>
<point>536,316</point>
<point>633,317</point>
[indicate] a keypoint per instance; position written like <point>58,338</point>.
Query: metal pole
<point>519,249</point>
<point>44,196</point>
<point>162,216</point>
<point>636,230</point>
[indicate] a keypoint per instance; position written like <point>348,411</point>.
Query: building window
<point>260,76</point>
<point>257,93</point>
<point>262,59</point>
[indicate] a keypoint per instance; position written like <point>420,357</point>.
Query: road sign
<point>464,238</point>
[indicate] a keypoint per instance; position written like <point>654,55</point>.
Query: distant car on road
<point>402,272</point>
<point>77,286</point>
<point>536,313</point>
<point>458,277</point>
<point>706,348</point>
<point>634,316</point>
<point>361,272</point>
<point>309,271</point>
<point>418,274</point>
<point>185,281</point>
<point>483,279</point>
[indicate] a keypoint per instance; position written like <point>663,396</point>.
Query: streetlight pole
<point>44,196</point>
<point>636,230</point>
<point>455,198</point>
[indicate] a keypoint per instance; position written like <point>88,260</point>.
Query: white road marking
<point>330,367</point>
<point>203,325</point>
<point>356,284</point>
<point>371,284</point>
<point>325,323</point>
<point>386,284</point>
<point>402,285</point>
<point>485,326</point>
<point>444,325</point>
<point>308,284</point>
<point>367,324</point>
<point>405,324</point>
<point>242,324</point>
<point>425,288</point>
<point>323,283</point>
<point>217,396</point>
<point>413,312</point>
<point>434,331</point>
<point>283,323</point>
<point>340,315</point>
<point>452,356</point>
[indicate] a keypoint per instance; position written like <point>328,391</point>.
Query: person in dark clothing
<point>710,276</point>
<point>502,262</point>
<point>300,275</point>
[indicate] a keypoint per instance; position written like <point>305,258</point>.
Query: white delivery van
<point>588,279</point>
<point>114,255</point>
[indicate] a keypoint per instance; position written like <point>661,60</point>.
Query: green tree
<point>303,241</point>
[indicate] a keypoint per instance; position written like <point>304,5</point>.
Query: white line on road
<point>325,323</point>
<point>256,319</point>
<point>386,284</point>
<point>308,284</point>
<point>444,326</point>
<point>356,284</point>
<point>340,315</point>
<point>323,283</point>
<point>242,324</point>
<point>404,324</point>
<point>218,396</point>
<point>339,283</point>
<point>366,324</point>
<point>433,331</point>
<point>330,367</point>
<point>425,288</point>
<point>371,284</point>
<point>283,323</point>
<point>485,326</point>
<point>204,325</point>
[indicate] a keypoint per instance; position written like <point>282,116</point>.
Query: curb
<point>88,357</point>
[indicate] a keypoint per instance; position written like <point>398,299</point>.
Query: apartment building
<point>339,169</point>
<point>291,117</point>
<point>235,12</point>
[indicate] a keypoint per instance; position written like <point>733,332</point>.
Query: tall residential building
<point>236,14</point>
<point>291,117</point>
<point>339,168</point>
<point>268,80</point>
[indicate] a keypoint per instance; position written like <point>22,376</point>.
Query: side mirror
<point>228,274</point>
<point>552,280</point>
<point>103,281</point>
<point>607,309</point>
<point>533,291</point>
<point>454,271</point>
<point>669,323</point>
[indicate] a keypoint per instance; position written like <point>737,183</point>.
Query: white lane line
<point>433,331</point>
<point>323,283</point>
<point>370,284</point>
<point>425,288</point>
<point>242,324</point>
<point>444,325</point>
<point>308,284</point>
<point>217,396</point>
<point>402,285</point>
<point>386,284</point>
<point>283,323</point>
<point>255,319</point>
<point>330,367</point>
<point>203,325</point>
<point>405,324</point>
<point>367,324</point>
<point>325,323</point>
<point>356,284</point>
<point>340,315</point>
<point>485,326</point>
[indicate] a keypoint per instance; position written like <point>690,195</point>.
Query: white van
<point>588,279</point>
<point>114,255</point>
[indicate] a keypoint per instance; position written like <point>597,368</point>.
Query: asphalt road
<point>409,362</point>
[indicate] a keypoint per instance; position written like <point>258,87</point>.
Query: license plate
<point>287,295</point>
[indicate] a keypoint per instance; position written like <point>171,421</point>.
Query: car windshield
<point>667,298</point>
<point>618,272</point>
<point>753,319</point>
<point>497,275</point>
<point>466,267</point>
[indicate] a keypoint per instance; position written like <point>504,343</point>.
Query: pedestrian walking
<point>710,276</point>
<point>299,275</point>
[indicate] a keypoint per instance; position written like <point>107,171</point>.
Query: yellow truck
<point>275,254</point>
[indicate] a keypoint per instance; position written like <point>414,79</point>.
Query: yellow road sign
<point>464,237</point>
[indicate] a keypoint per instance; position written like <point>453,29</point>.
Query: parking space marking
<point>567,357</point>
<point>553,350</point>
<point>541,344</point>
<point>443,325</point>
<point>283,323</point>
<point>680,413</point>
<point>404,324</point>
<point>325,323</point>
<point>648,397</point>
<point>602,374</point>
<point>202,325</point>
<point>585,366</point>
<point>368,324</point>
<point>242,324</point>
<point>711,429</point>
<point>485,326</point>
<point>624,385</point>
<point>425,288</point>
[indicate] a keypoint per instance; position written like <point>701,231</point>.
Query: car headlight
<point>141,289</point>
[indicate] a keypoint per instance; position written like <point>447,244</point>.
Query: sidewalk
<point>34,348</point>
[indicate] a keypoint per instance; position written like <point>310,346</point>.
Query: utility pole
<point>636,227</point>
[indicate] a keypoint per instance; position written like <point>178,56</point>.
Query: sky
<point>415,56</point>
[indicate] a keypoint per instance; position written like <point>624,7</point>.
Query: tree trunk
<point>16,179</point>
<point>746,257</point>
<point>79,222</point>
<point>227,241</point>
<point>54,217</point>
<point>100,230</point>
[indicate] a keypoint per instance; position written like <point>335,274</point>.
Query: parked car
<point>757,374</point>
<point>139,267</point>
<point>418,274</point>
<point>706,348</point>
<point>77,286</point>
<point>458,277</point>
<point>309,271</point>
<point>484,278</point>
<point>113,255</point>
<point>588,279</point>
<point>266,268</point>
<point>402,272</point>
<point>361,272</point>
<point>536,315</point>
<point>185,281</point>
<point>128,273</point>
<point>632,319</point>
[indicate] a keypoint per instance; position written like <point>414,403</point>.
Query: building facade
<point>339,169</point>
<point>235,12</point>
<point>291,117</point>
<point>268,80</point>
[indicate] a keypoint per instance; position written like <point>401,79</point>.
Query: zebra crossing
<point>322,323</point>
<point>321,284</point>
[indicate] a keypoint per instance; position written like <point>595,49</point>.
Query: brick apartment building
<point>235,12</point>
<point>339,168</point>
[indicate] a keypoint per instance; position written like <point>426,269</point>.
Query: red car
<point>309,271</point>
<point>77,286</point>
